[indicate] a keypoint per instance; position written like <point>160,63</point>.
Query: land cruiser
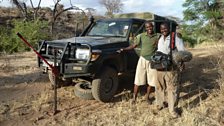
<point>92,57</point>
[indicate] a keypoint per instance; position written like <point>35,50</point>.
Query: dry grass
<point>42,101</point>
<point>209,111</point>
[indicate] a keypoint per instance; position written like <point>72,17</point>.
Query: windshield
<point>110,28</point>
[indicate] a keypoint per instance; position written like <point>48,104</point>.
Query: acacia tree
<point>59,9</point>
<point>112,6</point>
<point>206,17</point>
<point>35,9</point>
<point>22,6</point>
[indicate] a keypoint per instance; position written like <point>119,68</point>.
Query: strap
<point>172,44</point>
<point>140,44</point>
<point>157,42</point>
<point>172,40</point>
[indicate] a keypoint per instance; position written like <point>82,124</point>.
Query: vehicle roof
<point>137,20</point>
<point>123,19</point>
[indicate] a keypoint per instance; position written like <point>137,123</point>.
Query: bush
<point>4,38</point>
<point>191,42</point>
<point>33,32</point>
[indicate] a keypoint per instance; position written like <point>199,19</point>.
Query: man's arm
<point>179,44</point>
<point>180,47</point>
<point>132,46</point>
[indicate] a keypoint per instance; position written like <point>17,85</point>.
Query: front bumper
<point>67,65</point>
<point>68,70</point>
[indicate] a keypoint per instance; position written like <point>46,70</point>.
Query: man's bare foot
<point>149,100</point>
<point>133,101</point>
<point>158,107</point>
<point>174,115</point>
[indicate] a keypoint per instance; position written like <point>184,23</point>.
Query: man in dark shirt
<point>144,74</point>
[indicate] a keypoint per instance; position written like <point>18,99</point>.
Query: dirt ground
<point>26,98</point>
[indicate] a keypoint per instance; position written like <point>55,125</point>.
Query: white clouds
<point>160,7</point>
<point>5,3</point>
<point>44,3</point>
<point>83,4</point>
<point>163,3</point>
<point>133,3</point>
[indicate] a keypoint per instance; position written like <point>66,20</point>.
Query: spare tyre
<point>83,90</point>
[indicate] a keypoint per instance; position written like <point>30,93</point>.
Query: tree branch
<point>37,9</point>
<point>70,8</point>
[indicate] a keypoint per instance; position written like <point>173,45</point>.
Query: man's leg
<point>172,90</point>
<point>149,90</point>
<point>160,90</point>
<point>135,93</point>
<point>140,76</point>
<point>151,80</point>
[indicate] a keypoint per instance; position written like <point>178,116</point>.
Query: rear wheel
<point>60,82</point>
<point>105,85</point>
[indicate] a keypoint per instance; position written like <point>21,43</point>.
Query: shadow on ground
<point>199,79</point>
<point>23,78</point>
<point>126,86</point>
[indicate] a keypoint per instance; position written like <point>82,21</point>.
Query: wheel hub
<point>108,85</point>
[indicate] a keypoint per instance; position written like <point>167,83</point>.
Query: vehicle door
<point>133,55</point>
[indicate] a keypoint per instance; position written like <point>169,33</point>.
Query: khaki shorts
<point>144,74</point>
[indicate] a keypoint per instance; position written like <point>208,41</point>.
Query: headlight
<point>82,54</point>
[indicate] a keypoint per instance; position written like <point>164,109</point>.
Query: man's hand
<point>120,50</point>
<point>182,67</point>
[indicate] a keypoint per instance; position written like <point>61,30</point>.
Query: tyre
<point>83,90</point>
<point>105,85</point>
<point>60,82</point>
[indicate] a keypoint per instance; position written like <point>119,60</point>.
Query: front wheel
<point>105,85</point>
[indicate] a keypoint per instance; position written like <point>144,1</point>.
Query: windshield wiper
<point>106,35</point>
<point>117,36</point>
<point>95,35</point>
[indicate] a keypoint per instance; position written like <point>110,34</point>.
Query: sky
<point>159,7</point>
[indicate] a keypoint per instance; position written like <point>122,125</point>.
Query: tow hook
<point>45,70</point>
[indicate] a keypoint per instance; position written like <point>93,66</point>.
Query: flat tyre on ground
<point>83,90</point>
<point>105,85</point>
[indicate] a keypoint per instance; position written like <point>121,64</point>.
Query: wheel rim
<point>85,86</point>
<point>108,86</point>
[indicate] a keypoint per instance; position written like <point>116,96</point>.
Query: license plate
<point>77,68</point>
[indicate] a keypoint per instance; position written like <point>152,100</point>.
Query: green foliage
<point>190,40</point>
<point>33,32</point>
<point>5,40</point>
<point>205,19</point>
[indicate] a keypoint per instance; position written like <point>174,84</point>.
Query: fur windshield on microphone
<point>182,56</point>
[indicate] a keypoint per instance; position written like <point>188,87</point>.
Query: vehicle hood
<point>93,40</point>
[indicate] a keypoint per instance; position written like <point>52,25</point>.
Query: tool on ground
<point>54,70</point>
